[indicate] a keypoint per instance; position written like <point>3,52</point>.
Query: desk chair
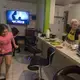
<point>30,42</point>
<point>33,49</point>
<point>63,74</point>
<point>38,60</point>
<point>30,38</point>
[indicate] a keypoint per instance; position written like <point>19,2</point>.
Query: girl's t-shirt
<point>5,43</point>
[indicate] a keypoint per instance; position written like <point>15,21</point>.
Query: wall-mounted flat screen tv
<point>17,17</point>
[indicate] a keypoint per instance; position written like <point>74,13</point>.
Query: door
<point>58,27</point>
<point>65,20</point>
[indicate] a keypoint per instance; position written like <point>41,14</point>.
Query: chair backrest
<point>66,71</point>
<point>30,40</point>
<point>50,54</point>
<point>30,32</point>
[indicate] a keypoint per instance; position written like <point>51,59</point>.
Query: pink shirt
<point>5,42</point>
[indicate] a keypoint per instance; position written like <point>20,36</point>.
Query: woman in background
<point>6,38</point>
<point>73,31</point>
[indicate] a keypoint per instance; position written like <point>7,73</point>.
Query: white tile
<point>19,68</point>
<point>10,78</point>
<point>44,75</point>
<point>15,78</point>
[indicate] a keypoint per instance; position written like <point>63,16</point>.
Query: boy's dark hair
<point>15,31</point>
<point>2,28</point>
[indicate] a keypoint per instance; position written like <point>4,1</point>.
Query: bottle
<point>48,33</point>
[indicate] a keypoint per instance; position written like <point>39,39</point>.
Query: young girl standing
<point>6,38</point>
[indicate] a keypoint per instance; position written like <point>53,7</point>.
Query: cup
<point>63,37</point>
<point>39,34</point>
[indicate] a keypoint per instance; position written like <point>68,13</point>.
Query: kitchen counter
<point>63,56</point>
<point>65,51</point>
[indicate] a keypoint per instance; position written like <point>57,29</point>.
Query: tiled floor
<point>18,69</point>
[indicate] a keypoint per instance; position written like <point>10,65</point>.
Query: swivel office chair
<point>30,42</point>
<point>30,38</point>
<point>63,74</point>
<point>38,60</point>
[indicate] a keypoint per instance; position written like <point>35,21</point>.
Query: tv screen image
<point>17,17</point>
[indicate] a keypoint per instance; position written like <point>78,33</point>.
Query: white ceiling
<point>59,2</point>
<point>65,2</point>
<point>32,1</point>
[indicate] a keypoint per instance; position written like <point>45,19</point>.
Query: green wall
<point>47,15</point>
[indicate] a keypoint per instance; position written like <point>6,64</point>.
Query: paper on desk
<point>71,46</point>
